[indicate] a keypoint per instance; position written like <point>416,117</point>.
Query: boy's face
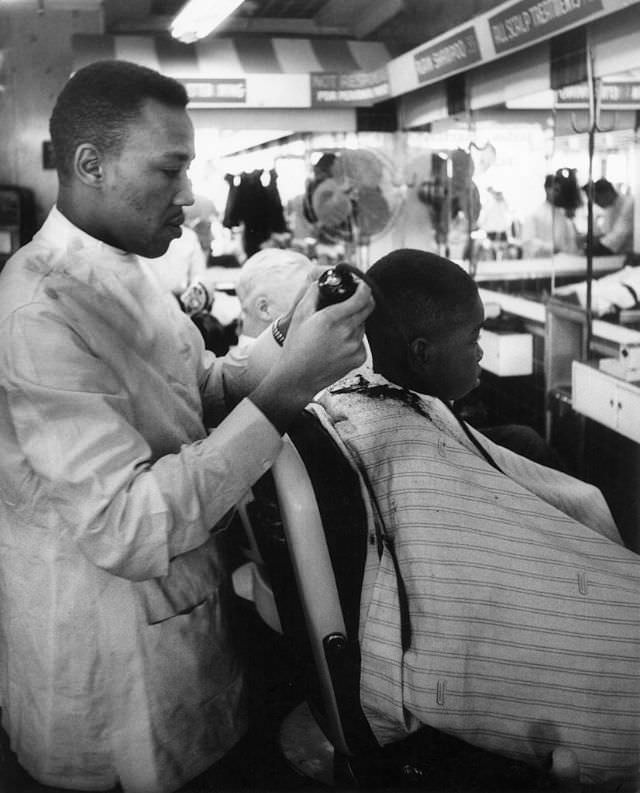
<point>451,365</point>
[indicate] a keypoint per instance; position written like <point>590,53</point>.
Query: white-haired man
<point>268,285</point>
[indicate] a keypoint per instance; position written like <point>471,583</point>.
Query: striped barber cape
<point>523,604</point>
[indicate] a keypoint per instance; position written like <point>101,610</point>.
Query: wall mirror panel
<point>596,140</point>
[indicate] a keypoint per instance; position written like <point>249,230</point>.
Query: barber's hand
<point>324,345</point>
<point>320,347</point>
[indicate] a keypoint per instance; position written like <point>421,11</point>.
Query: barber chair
<point>295,557</point>
<point>303,532</point>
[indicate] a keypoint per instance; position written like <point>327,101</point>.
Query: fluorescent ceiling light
<point>199,17</point>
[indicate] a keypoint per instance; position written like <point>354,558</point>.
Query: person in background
<point>501,606</point>
<point>613,226</point>
<point>500,226</point>
<point>495,216</point>
<point>204,231</point>
<point>124,446</point>
<point>549,229</point>
<point>182,264</point>
<point>179,272</point>
<point>200,217</point>
<point>268,285</point>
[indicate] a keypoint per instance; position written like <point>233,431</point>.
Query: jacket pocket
<point>192,578</point>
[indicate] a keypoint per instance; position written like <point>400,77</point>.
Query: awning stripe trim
<point>219,57</point>
<point>257,56</point>
<point>233,57</point>
<point>175,57</point>
<point>335,56</point>
<point>296,55</point>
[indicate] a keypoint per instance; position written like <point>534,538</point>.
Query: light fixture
<point>199,17</point>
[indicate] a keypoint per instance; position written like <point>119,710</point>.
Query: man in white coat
<point>116,666</point>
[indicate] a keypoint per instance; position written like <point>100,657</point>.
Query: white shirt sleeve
<point>618,236</point>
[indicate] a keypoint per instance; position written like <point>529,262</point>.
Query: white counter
<point>535,311</point>
<point>559,266</point>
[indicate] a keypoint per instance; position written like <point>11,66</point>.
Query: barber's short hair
<point>418,294</point>
<point>268,271</point>
<point>99,103</point>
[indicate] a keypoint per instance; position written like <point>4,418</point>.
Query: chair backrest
<point>307,521</point>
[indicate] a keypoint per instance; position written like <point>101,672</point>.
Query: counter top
<point>558,266</point>
<point>536,312</point>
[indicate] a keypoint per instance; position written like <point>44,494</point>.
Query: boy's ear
<point>421,353</point>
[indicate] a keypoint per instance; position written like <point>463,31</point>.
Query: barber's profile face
<point>146,183</point>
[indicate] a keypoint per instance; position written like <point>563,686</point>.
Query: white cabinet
<point>629,411</point>
<point>507,354</point>
<point>606,399</point>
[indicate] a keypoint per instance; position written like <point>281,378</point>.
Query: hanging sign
<point>349,89</point>
<point>447,56</point>
<point>610,94</point>
<point>216,91</point>
<point>527,21</point>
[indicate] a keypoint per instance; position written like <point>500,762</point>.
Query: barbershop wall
<point>37,62</point>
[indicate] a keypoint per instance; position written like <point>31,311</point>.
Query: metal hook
<point>594,85</point>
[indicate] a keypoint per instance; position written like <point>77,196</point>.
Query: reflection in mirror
<point>608,144</point>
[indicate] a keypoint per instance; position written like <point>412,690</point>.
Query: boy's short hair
<point>100,102</point>
<point>418,294</point>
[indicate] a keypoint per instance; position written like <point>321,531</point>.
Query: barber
<point>116,666</point>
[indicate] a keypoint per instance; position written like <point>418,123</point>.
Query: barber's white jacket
<point>115,662</point>
<point>523,604</point>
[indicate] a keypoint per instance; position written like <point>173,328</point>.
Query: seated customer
<point>501,605</point>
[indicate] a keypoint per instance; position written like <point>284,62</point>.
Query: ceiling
<point>400,24</point>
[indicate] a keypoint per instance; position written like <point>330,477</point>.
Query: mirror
<point>597,137</point>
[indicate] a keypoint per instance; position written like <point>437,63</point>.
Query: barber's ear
<point>88,165</point>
